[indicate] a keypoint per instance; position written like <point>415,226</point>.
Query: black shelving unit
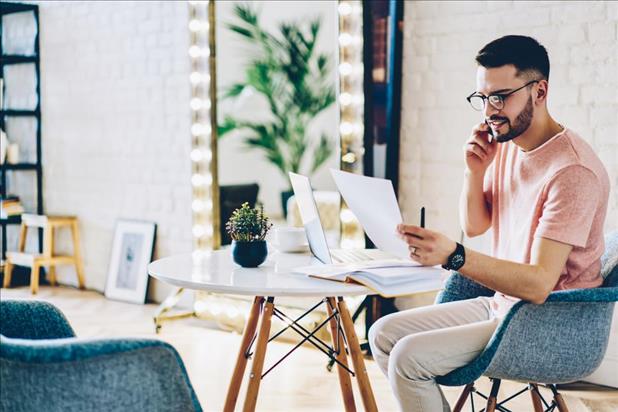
<point>5,113</point>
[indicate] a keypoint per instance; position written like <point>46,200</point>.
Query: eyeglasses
<point>477,100</point>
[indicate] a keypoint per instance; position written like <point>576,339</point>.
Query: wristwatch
<point>456,259</point>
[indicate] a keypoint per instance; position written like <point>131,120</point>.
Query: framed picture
<point>132,251</point>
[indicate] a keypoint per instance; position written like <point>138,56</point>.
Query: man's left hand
<point>427,247</point>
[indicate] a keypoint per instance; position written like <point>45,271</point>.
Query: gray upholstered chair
<point>563,340</point>
<point>44,367</point>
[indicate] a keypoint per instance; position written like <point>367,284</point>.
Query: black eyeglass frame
<point>502,96</point>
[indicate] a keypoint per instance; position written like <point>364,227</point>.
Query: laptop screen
<point>311,218</point>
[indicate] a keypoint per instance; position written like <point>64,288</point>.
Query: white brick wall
<point>441,40</point>
<point>116,124</point>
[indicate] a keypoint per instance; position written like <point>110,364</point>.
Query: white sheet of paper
<point>343,268</point>
<point>374,203</point>
<point>395,273</point>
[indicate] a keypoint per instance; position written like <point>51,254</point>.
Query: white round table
<point>216,272</point>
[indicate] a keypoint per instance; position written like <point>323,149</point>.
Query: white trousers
<point>414,346</point>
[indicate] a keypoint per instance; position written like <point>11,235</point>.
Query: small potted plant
<point>248,228</point>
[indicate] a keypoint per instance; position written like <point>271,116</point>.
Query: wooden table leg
<point>258,359</point>
<point>344,377</point>
<point>241,359</point>
<point>357,357</point>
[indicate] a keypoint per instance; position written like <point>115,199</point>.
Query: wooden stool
<point>34,261</point>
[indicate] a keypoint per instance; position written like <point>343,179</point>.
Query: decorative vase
<point>285,196</point>
<point>249,254</point>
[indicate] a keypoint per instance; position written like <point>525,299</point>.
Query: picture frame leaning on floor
<point>132,251</point>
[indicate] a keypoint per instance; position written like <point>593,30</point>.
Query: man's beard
<point>521,124</point>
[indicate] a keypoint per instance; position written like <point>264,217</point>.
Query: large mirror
<point>280,87</point>
<point>286,87</point>
<point>277,109</point>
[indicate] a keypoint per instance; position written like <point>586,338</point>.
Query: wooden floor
<point>300,384</point>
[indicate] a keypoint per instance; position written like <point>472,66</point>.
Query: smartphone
<point>491,132</point>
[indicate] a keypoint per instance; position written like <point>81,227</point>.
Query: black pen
<point>423,217</point>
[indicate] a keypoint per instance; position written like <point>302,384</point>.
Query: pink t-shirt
<point>558,191</point>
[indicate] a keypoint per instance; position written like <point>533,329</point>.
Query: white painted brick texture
<point>116,124</point>
<point>441,40</point>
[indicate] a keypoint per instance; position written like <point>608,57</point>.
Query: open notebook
<point>388,278</point>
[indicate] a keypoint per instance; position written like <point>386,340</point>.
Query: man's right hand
<point>478,150</point>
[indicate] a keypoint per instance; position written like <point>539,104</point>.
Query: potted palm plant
<point>297,83</point>
<point>248,227</point>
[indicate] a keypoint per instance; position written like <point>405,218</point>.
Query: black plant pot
<point>285,196</point>
<point>249,254</point>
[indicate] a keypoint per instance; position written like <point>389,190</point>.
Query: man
<point>542,191</point>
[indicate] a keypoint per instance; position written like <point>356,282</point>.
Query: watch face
<point>458,260</point>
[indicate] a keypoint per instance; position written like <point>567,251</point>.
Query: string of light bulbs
<point>351,108</point>
<point>203,166</point>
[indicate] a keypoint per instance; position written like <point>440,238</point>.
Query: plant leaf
<point>322,153</point>
<point>229,124</point>
<point>297,82</point>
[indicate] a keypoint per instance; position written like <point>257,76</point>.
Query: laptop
<point>315,232</point>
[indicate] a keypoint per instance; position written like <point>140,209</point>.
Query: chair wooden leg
<point>560,403</point>
<point>562,406</point>
<point>492,400</point>
<point>536,398</point>
<point>258,360</point>
<point>241,359</point>
<point>52,275</point>
<point>48,241</point>
<point>23,231</point>
<point>48,251</point>
<point>344,377</point>
<point>21,247</point>
<point>79,267</point>
<point>34,278</point>
<point>360,370</point>
<point>8,273</point>
<point>461,401</point>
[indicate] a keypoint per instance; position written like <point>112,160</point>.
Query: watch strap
<point>456,259</point>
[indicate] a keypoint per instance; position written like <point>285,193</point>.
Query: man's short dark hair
<point>525,53</point>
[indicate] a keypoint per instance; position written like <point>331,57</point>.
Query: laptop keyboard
<point>352,255</point>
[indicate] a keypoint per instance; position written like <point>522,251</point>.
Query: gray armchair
<point>562,340</point>
<point>43,366</point>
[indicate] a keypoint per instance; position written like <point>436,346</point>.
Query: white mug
<point>290,238</point>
